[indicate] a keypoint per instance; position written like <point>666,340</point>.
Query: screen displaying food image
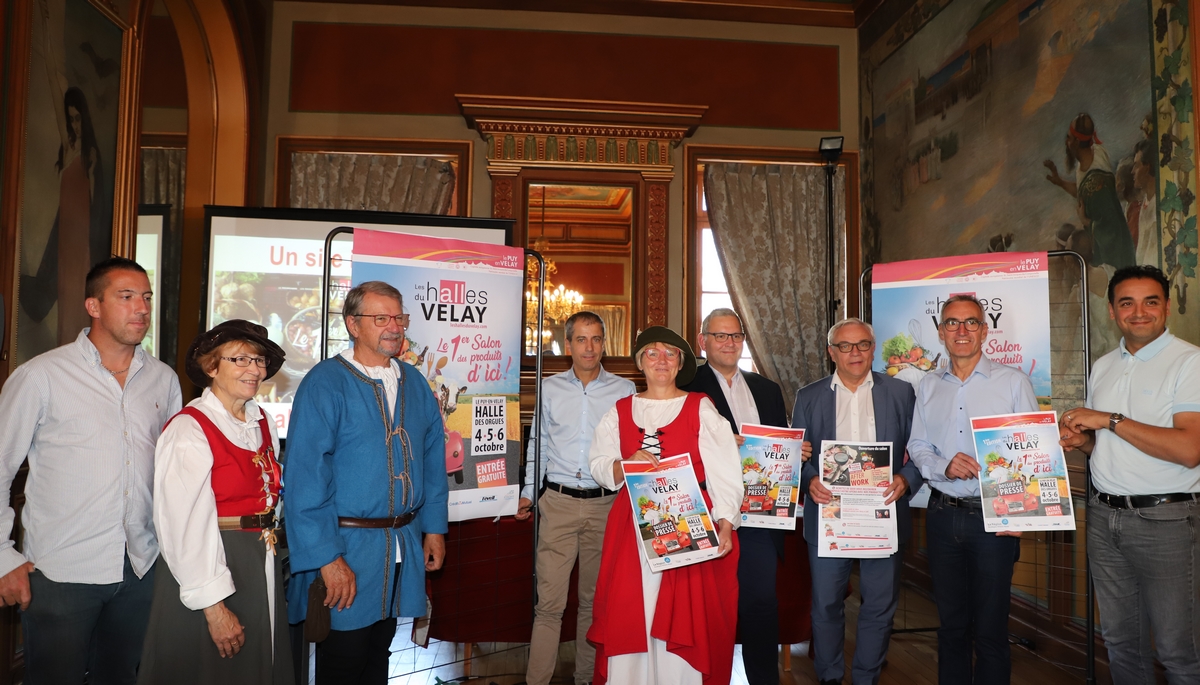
<point>270,271</point>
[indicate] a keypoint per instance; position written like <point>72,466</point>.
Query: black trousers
<point>356,657</point>
<point>758,609</point>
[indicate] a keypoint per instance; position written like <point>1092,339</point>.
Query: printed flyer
<point>1023,473</point>
<point>1013,287</point>
<point>771,462</point>
<point>464,301</point>
<point>669,513</point>
<point>856,524</point>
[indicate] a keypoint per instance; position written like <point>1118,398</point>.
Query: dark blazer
<point>766,393</point>
<point>768,398</point>
<point>893,400</point>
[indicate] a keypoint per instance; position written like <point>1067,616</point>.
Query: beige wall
<point>280,121</point>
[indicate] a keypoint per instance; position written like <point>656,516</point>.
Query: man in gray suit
<point>854,404</point>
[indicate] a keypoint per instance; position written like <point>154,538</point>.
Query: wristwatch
<point>1114,419</point>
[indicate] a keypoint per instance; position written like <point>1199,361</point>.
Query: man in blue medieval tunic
<point>366,490</point>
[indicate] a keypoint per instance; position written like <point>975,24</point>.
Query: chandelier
<point>560,302</point>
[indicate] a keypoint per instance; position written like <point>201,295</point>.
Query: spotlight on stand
<point>830,149</point>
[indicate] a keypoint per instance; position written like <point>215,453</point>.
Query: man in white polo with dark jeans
<point>1141,427</point>
<point>573,508</point>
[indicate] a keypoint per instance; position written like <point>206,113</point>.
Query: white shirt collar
<point>376,372</point>
<point>210,401</point>
<point>868,382</point>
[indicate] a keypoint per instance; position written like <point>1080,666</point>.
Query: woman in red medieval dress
<point>677,626</point>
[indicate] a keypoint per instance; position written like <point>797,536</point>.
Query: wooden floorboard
<point>912,657</point>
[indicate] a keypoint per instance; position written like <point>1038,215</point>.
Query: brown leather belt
<point>392,522</point>
<point>254,522</point>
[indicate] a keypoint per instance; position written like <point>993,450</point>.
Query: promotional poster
<point>771,461</point>
<point>669,513</point>
<point>856,524</point>
<point>464,302</point>
<point>1013,287</point>
<point>1023,474</point>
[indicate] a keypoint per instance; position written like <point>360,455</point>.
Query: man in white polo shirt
<point>1141,427</point>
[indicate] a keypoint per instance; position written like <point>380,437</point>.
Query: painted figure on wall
<point>967,112</point>
<point>70,146</point>
<point>1095,189</point>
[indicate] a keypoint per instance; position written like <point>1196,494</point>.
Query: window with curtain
<point>714,291</point>
<point>757,238</point>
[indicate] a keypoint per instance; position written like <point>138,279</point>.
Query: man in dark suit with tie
<point>746,397</point>
<point>855,404</point>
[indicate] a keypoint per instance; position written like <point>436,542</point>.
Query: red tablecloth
<point>484,592</point>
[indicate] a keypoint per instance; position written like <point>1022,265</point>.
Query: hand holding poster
<point>464,334</point>
<point>771,463</point>
<point>856,523</point>
<point>669,513</point>
<point>1023,473</point>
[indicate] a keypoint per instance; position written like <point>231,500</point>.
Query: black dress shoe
<point>831,682</point>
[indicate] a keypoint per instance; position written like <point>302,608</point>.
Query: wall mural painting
<point>70,155</point>
<point>1024,125</point>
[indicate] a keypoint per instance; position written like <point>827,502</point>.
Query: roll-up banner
<point>464,301</point>
<point>1013,287</point>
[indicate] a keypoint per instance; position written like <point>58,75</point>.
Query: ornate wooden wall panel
<point>542,138</point>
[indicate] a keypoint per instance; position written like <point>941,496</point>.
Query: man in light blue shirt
<point>971,569</point>
<point>86,416</point>
<point>1141,428</point>
<point>573,507</point>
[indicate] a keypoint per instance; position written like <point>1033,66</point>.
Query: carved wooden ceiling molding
<point>522,132</point>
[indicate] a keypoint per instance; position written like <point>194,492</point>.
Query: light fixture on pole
<point>830,149</point>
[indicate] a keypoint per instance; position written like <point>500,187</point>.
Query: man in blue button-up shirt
<point>971,569</point>
<point>86,416</point>
<point>573,507</point>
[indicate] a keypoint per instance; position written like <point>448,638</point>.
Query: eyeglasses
<point>861,345</point>
<point>655,354</point>
<point>260,362</point>
<point>382,320</point>
<point>722,337</point>
<point>971,324</point>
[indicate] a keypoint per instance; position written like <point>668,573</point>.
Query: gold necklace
<point>114,373</point>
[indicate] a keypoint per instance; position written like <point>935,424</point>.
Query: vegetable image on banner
<point>1013,288</point>
<point>464,304</point>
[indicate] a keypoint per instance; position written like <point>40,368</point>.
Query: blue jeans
<point>972,585</point>
<point>76,628</point>
<point>1144,565</point>
<point>879,587</point>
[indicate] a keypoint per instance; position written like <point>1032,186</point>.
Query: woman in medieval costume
<point>219,614</point>
<point>677,626</point>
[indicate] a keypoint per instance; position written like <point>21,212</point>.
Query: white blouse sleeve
<point>606,450</point>
<point>185,515</point>
<point>722,465</point>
